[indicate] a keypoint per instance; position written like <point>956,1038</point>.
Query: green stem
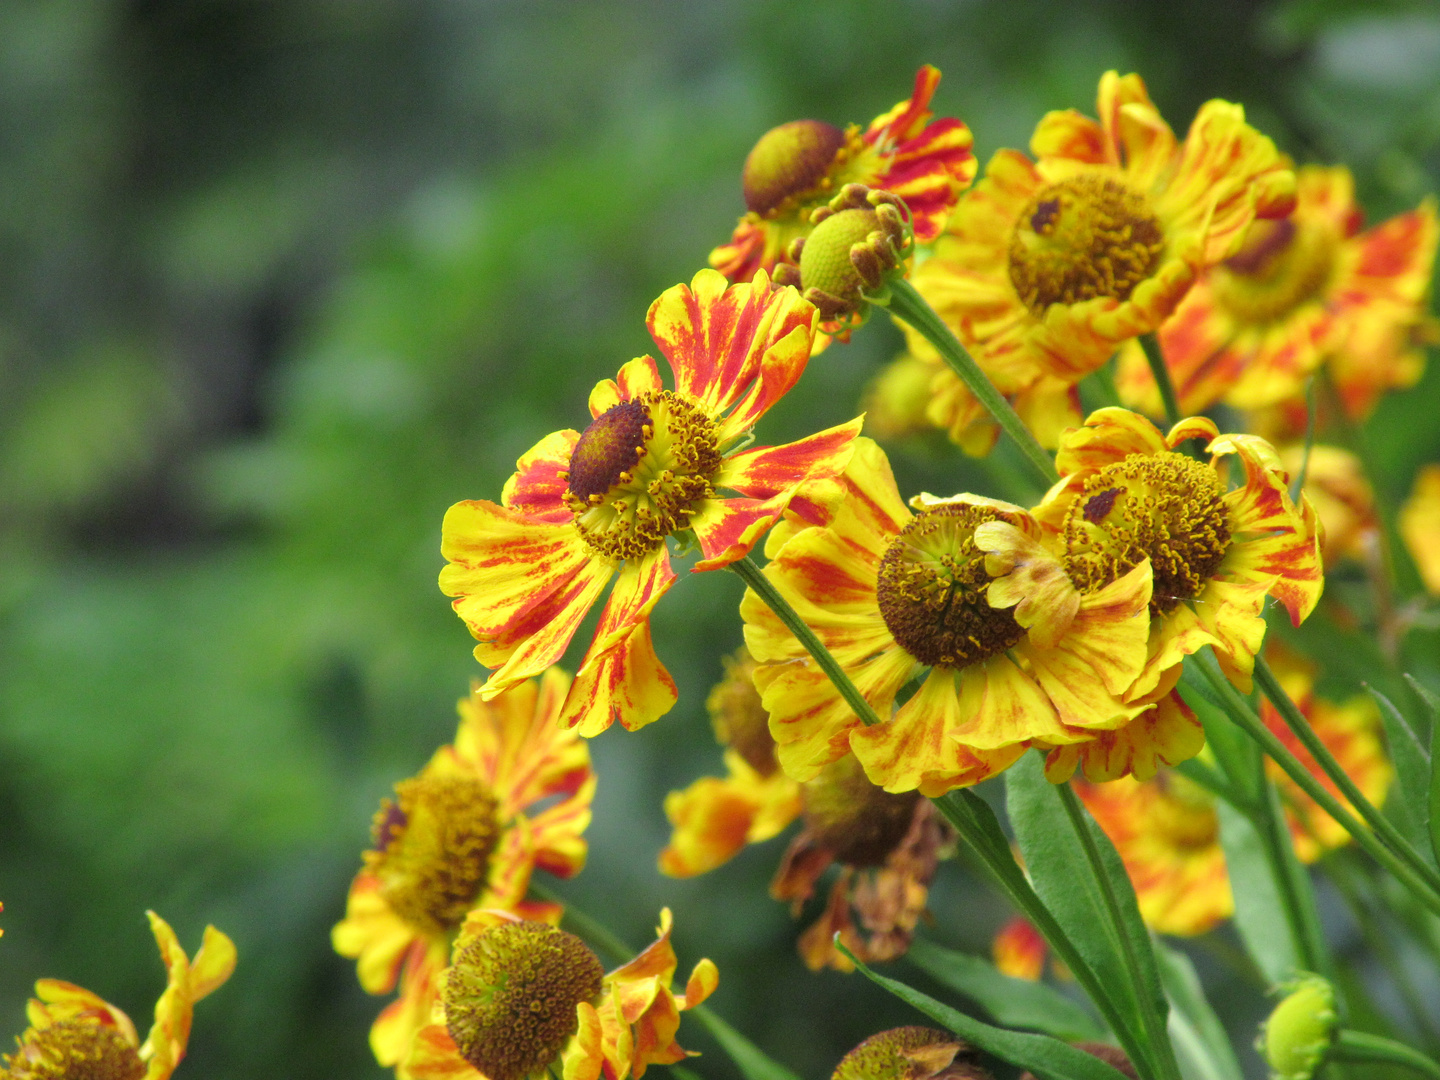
<point>909,305</point>
<point>760,584</point>
<point>1359,1047</point>
<point>1161,374</point>
<point>1156,1035</point>
<point>1245,717</point>
<point>960,809</point>
<point>1383,827</point>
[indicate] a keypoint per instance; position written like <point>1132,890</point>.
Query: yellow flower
<point>511,794</point>
<point>1166,733</point>
<point>1127,494</point>
<point>1420,526</point>
<point>654,464</point>
<point>73,1032</point>
<point>1048,265</point>
<point>964,589</point>
<point>522,997</point>
<point>1335,483</point>
<point>800,166</point>
<point>1301,290</point>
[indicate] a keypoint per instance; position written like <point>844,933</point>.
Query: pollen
<point>932,589</point>
<point>510,996</point>
<point>858,823</point>
<point>1167,508</point>
<point>1082,238</point>
<point>640,471</point>
<point>432,849</point>
<point>78,1049</point>
<point>1281,266</point>
<point>790,160</point>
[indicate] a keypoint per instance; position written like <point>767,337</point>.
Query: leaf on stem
<point>1199,1037</point>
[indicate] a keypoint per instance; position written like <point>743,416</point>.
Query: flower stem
<point>1359,1047</point>
<point>1245,717</point>
<point>1153,356</point>
<point>1295,720</point>
<point>909,305</point>
<point>760,584</point>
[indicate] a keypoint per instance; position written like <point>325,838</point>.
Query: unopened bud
<point>1300,1030</point>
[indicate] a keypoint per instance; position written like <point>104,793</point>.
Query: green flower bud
<point>1301,1029</point>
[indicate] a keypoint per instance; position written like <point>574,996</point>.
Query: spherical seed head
<point>510,996</point>
<point>859,823</point>
<point>432,848</point>
<point>1167,507</point>
<point>931,590</point>
<point>739,716</point>
<point>79,1049</point>
<point>1296,1037</point>
<point>611,445</point>
<point>825,262</point>
<point>789,160</point>
<point>1081,238</point>
<point>910,1053</point>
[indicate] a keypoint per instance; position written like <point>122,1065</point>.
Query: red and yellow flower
<point>1127,493</point>
<point>962,591</point>
<point>1420,526</point>
<point>73,1032</point>
<point>1019,950</point>
<point>800,166</point>
<point>585,507</point>
<point>1047,266</point>
<point>1302,290</point>
<point>510,795</point>
<point>521,998</point>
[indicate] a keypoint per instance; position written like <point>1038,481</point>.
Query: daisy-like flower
<point>1126,494</point>
<point>798,167</point>
<point>1047,266</point>
<point>887,845</point>
<point>1420,526</point>
<point>962,592</point>
<point>587,506</point>
<point>1301,290</point>
<point>511,794</point>
<point>74,1033</point>
<point>521,998</point>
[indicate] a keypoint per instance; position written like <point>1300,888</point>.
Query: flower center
<point>739,716</point>
<point>510,996</point>
<point>432,849</point>
<point>1166,507</point>
<point>907,1053</point>
<point>789,160</point>
<point>639,471</point>
<point>931,590</point>
<point>825,260</point>
<point>1081,238</point>
<point>78,1049</point>
<point>859,823</point>
<point>1281,265</point>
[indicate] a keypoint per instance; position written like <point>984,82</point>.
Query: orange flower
<point>73,1032</point>
<point>651,466</point>
<point>522,997</point>
<point>1301,290</point>
<point>799,166</point>
<point>511,794</point>
<point>1019,950</point>
<point>1420,526</point>
<point>964,589</point>
<point>1048,265</point>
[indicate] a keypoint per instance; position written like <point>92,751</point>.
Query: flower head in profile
<point>522,998</point>
<point>74,1033</point>
<point>798,167</point>
<point>653,464</point>
<point>1048,265</point>
<point>1129,494</point>
<point>961,591</point>
<point>510,795</point>
<point>1302,290</point>
<point>887,845</point>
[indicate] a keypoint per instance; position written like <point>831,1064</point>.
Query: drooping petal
<point>1166,733</point>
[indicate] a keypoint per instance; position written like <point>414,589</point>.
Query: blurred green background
<point>281,281</point>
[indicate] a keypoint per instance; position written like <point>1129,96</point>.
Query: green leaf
<point>1047,1058</point>
<point>1114,942</point>
<point>1259,914</point>
<point>1012,1002</point>
<point>1425,694</point>
<point>1199,1037</point>
<point>1412,812</point>
<point>753,1063</point>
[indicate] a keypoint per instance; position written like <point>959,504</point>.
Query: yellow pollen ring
<point>78,1048</point>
